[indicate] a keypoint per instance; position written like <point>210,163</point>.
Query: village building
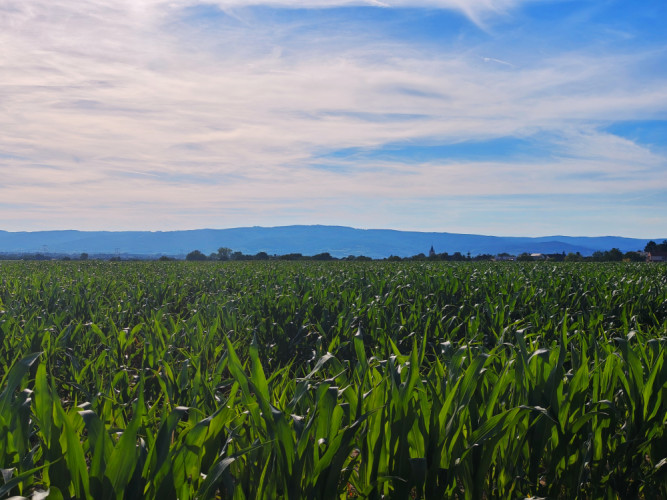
<point>656,256</point>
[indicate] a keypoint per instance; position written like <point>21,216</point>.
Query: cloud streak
<point>132,114</point>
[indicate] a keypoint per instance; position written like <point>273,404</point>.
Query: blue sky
<point>502,117</point>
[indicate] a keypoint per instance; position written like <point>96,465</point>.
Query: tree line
<point>227,254</point>
<point>613,255</point>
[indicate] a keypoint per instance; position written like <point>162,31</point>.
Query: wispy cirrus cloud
<point>147,115</point>
<point>476,10</point>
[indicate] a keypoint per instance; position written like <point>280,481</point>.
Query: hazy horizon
<point>504,118</point>
<point>656,238</point>
<point>339,241</point>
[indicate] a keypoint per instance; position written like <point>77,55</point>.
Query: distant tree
<point>573,257</point>
<point>261,256</point>
<point>323,256</point>
<point>614,255</point>
<point>524,257</point>
<point>458,256</point>
<point>115,258</point>
<point>633,257</point>
<point>66,257</point>
<point>598,256</point>
<point>83,256</point>
<point>291,256</point>
<point>394,258</point>
<point>358,258</point>
<point>195,255</point>
<point>224,253</point>
<point>483,256</point>
<point>652,246</point>
<point>164,258</point>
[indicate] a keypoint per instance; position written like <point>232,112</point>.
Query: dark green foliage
<point>652,246</point>
<point>195,255</point>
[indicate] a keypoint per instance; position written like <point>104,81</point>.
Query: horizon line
<point>323,226</point>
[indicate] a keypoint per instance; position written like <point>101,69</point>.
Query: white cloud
<point>109,106</point>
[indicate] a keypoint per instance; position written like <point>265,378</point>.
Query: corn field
<point>333,380</point>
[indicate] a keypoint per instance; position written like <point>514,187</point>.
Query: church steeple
<point>431,252</point>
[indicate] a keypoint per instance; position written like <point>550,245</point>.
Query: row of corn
<point>333,380</point>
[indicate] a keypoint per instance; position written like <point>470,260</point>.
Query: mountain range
<point>339,241</point>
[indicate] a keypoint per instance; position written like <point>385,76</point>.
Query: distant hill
<point>308,240</point>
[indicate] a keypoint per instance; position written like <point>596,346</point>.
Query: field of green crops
<point>333,380</point>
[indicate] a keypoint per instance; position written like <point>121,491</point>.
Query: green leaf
<point>13,380</point>
<point>124,459</point>
<point>17,480</point>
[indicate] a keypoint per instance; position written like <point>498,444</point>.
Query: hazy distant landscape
<point>333,249</point>
<point>307,240</point>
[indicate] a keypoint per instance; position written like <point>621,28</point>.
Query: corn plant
<point>333,380</point>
